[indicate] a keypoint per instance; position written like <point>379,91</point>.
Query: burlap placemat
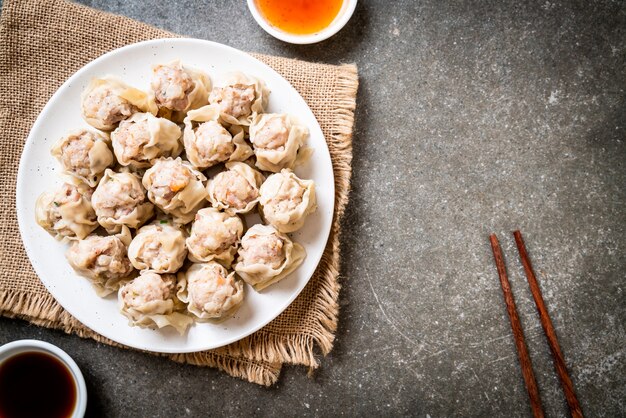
<point>42,42</point>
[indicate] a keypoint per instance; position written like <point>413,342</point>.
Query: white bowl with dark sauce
<point>39,379</point>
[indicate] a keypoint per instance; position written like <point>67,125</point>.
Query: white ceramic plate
<point>40,172</point>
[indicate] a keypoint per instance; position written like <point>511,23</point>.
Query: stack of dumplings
<point>155,192</point>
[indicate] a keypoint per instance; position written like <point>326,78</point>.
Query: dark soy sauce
<point>36,384</point>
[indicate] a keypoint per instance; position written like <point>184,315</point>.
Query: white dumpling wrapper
<point>158,246</point>
<point>98,155</point>
<point>222,146</point>
<point>186,189</point>
<point>120,199</point>
<point>248,178</point>
<point>150,301</point>
<point>286,200</point>
<point>261,275</point>
<point>133,100</point>
<point>67,213</point>
<point>209,291</point>
<point>162,139</point>
<point>195,98</point>
<point>286,155</point>
<point>103,260</point>
<point>214,236</point>
<point>258,104</point>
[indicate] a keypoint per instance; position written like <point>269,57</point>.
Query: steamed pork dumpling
<point>277,138</point>
<point>67,212</point>
<point>208,143</point>
<point>120,199</point>
<point>176,188</point>
<point>286,200</point>
<point>214,236</point>
<point>84,154</point>
<point>179,88</point>
<point>143,138</point>
<point>159,247</point>
<point>103,260</point>
<point>210,291</point>
<point>236,189</point>
<point>212,144</point>
<point>239,97</point>
<point>150,301</point>
<point>107,101</point>
<point>267,256</point>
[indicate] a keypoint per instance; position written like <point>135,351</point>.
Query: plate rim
<point>21,175</point>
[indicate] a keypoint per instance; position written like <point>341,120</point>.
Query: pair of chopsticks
<point>546,324</point>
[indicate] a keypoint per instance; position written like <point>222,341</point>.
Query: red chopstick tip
<point>493,238</point>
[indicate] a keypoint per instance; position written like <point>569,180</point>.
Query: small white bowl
<point>28,346</point>
<point>347,9</point>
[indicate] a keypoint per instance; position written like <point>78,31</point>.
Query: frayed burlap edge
<point>297,348</point>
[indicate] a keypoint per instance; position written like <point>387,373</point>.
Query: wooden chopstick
<point>518,333</point>
<point>546,323</point>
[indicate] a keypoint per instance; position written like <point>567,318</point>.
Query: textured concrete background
<point>473,117</point>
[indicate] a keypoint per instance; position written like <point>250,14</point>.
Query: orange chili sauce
<point>299,17</point>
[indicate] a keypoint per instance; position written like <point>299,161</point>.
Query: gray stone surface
<point>473,117</point>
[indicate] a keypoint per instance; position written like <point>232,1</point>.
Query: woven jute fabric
<point>43,42</point>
